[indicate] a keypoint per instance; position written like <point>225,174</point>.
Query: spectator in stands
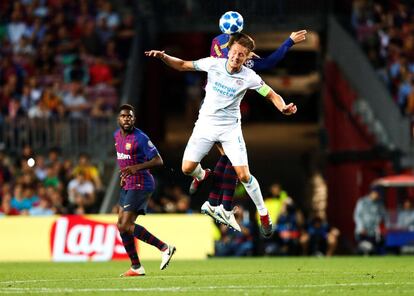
<point>90,171</point>
<point>100,72</point>
<point>39,110</point>
<point>5,169</point>
<point>101,110</point>
<point>40,168</point>
<point>405,219</point>
<point>65,45</point>
<point>23,199</point>
<point>90,39</point>
<point>275,201</point>
<point>15,109</point>
<point>6,208</point>
<point>81,193</point>
<point>27,152</point>
<point>53,156</point>
<point>57,201</point>
<point>76,71</point>
<point>52,178</point>
<point>23,47</point>
<point>74,101</point>
<point>45,59</point>
<point>287,231</point>
<point>35,89</point>
<point>41,209</point>
<point>369,214</point>
<point>319,238</point>
<point>125,35</point>
<point>235,243</point>
<point>107,13</point>
<point>175,200</point>
<point>16,27</point>
<point>112,57</point>
<point>35,31</point>
<point>52,103</point>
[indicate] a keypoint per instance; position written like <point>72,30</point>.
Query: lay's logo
<point>74,238</point>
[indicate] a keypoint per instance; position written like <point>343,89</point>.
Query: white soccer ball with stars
<point>231,22</point>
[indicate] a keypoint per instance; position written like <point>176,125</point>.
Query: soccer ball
<point>231,22</point>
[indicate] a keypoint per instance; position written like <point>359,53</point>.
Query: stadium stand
<point>61,66</point>
<point>385,31</point>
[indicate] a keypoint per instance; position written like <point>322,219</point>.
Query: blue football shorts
<point>134,201</point>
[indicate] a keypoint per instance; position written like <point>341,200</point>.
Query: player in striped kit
<point>136,155</point>
<point>219,116</point>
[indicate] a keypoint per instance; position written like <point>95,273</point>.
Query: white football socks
<point>253,189</point>
<point>198,173</point>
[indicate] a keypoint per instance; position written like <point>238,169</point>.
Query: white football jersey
<point>224,91</point>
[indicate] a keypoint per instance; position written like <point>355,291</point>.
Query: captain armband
<point>264,90</point>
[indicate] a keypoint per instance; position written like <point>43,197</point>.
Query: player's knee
<point>187,170</point>
<point>244,177</point>
<point>123,226</point>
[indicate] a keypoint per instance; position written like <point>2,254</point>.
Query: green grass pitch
<point>240,276</point>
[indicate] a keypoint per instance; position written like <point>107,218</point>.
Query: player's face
<point>126,120</point>
<point>237,55</point>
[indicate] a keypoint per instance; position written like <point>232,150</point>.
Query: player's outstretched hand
<point>298,36</point>
<point>290,109</point>
<point>155,53</point>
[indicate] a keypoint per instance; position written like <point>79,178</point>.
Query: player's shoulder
<point>138,133</point>
<point>248,71</point>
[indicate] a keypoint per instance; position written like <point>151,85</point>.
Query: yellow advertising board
<point>96,238</point>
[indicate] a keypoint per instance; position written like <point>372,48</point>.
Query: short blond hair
<point>244,40</point>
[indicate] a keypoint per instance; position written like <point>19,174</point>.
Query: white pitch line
<point>192,289</point>
<point>154,277</point>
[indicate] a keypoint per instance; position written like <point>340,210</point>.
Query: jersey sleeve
<point>259,64</point>
<point>219,45</point>
<point>215,49</point>
<point>148,148</point>
<point>203,64</point>
<point>256,83</point>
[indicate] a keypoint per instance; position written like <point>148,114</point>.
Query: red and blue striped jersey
<point>132,149</point>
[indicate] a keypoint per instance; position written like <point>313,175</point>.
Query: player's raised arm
<point>270,61</point>
<point>173,62</point>
<point>280,104</point>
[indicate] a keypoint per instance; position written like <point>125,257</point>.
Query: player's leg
<point>228,185</point>
<point>235,148</point>
<point>125,223</point>
<point>215,193</point>
<point>137,201</point>
<point>222,191</point>
<point>197,147</point>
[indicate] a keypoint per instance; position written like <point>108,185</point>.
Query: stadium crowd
<point>58,59</point>
<point>48,185</point>
<point>62,58</point>
<point>385,30</point>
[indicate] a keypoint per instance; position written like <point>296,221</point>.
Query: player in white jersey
<point>219,116</point>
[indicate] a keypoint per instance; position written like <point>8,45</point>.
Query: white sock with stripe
<point>253,189</point>
<point>198,173</point>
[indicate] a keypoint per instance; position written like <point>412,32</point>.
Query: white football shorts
<point>204,136</point>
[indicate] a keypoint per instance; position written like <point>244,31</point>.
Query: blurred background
<point>337,176</point>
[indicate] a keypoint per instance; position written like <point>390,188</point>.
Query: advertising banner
<point>96,237</point>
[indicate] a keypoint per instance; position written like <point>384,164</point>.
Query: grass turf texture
<point>245,276</point>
